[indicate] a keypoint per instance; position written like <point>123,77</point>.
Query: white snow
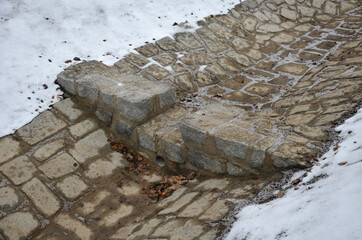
<point>37,37</point>
<point>329,209</point>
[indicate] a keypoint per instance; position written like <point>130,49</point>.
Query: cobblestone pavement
<point>245,94</point>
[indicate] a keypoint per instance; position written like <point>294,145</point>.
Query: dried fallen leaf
<point>296,181</point>
<point>336,147</point>
<point>342,163</point>
<point>280,194</point>
<point>270,189</point>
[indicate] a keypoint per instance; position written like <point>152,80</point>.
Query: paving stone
<point>239,44</point>
<point>90,206</point>
<point>42,197</point>
<point>242,98</point>
<point>178,67</point>
<point>210,184</point>
<point>330,8</point>
<point>68,108</point>
<point>59,166</point>
<point>188,39</point>
<point>9,148</point>
<point>124,67</point>
<point>211,41</point>
<point>82,128</point>
<point>198,206</point>
<point>175,195</point>
<point>42,127</point>
<point>204,79</point>
<point>130,189</point>
<point>288,13</point>
<point>72,187</point>
<point>105,167</point>
<point>318,3</point>
<point>90,146</point>
<point>165,59</point>
<point>293,68</point>
<point>234,141</point>
<point>261,89</point>
<point>157,72</point>
<point>306,11</point>
<point>227,21</point>
<point>346,6</point>
<point>19,170</point>
<point>79,229</point>
<point>203,161</point>
<point>9,199</point>
<point>239,58</point>
<point>297,139</point>
<point>18,225</point>
<point>125,232</point>
<point>283,38</point>
<point>229,65</point>
<point>217,71</point>
<point>186,83</point>
<point>299,119</point>
<point>270,27</point>
<point>261,16</point>
<point>185,199</point>
<point>48,149</point>
<point>177,230</point>
<point>220,31</point>
<point>168,228</point>
<point>189,231</point>
<point>234,170</point>
<point>148,50</point>
<point>216,211</point>
<point>195,59</point>
<point>289,155</point>
<point>146,228</point>
<point>114,216</point>
<point>168,44</point>
<point>210,235</point>
<point>137,59</point>
<point>249,24</point>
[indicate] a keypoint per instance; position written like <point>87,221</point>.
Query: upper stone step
<point>134,98</point>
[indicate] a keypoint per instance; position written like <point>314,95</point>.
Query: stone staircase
<point>249,92</point>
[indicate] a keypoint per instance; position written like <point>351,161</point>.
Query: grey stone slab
<point>195,126</point>
<point>72,187</point>
<point>19,170</point>
<point>168,44</point>
<point>9,148</point>
<point>70,76</point>
<point>202,161</point>
<point>42,127</point>
<point>89,146</point>
<point>124,129</point>
<point>82,128</point>
<point>211,41</point>
<point>104,116</point>
<point>234,170</point>
<point>188,39</point>
<point>9,199</point>
<point>48,149</point>
<point>18,225</point>
<point>105,167</point>
<point>68,108</point>
<point>59,166</point>
<point>42,197</point>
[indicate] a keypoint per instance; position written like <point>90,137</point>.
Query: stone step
<point>122,100</point>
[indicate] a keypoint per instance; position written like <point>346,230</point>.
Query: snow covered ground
<point>37,37</point>
<point>330,208</point>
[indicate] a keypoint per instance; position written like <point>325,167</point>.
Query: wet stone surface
<point>245,95</point>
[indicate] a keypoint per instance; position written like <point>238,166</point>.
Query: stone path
<point>246,94</point>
